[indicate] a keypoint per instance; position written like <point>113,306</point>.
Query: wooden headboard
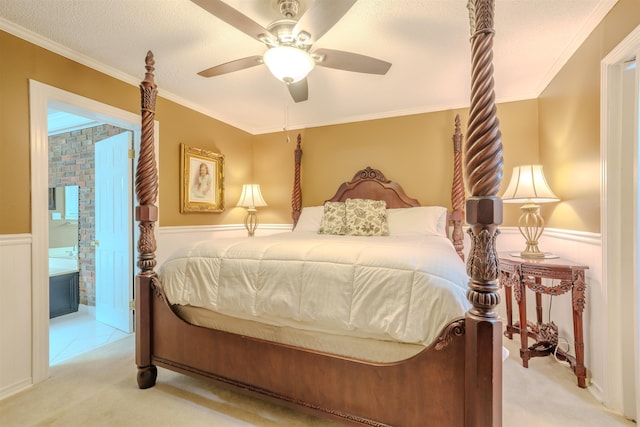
<point>370,183</point>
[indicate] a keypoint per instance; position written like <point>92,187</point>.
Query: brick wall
<point>71,162</point>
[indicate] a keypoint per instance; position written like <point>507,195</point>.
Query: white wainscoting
<point>15,313</point>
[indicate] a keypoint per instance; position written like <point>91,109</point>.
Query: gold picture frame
<point>201,180</point>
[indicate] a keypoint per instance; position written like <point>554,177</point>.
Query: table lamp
<point>529,186</point>
<point>251,198</point>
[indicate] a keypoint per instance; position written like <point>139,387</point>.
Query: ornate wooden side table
<point>516,275</point>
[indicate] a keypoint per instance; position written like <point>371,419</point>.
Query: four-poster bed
<point>454,380</point>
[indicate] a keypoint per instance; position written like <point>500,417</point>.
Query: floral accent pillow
<point>366,217</point>
<point>333,219</point>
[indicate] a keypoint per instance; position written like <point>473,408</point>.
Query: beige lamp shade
<point>528,184</point>
<point>251,197</point>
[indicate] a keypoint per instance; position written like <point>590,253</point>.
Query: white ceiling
<point>61,122</point>
<point>427,41</point>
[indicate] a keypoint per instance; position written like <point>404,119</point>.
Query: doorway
<point>620,145</point>
<point>41,97</point>
<point>88,299</point>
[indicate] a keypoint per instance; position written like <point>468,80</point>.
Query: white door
<point>113,244</point>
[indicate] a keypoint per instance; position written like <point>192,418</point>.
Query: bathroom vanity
<point>64,285</point>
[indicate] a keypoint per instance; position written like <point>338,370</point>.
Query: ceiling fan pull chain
<point>286,123</point>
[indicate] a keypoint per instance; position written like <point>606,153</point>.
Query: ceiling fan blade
<point>321,16</point>
<point>234,18</point>
<point>351,61</point>
<point>299,91</point>
<point>229,67</point>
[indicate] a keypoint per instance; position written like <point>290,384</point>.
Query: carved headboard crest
<point>370,173</point>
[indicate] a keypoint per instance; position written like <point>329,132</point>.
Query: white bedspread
<point>400,288</point>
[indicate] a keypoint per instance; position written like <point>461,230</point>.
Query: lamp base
<point>543,255</point>
<point>531,226</point>
<point>251,222</point>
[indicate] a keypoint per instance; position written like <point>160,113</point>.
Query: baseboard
<point>12,389</point>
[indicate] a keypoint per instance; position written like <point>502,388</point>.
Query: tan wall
<point>559,130</point>
<point>181,125</point>
<point>570,125</point>
<point>23,61</point>
<point>415,150</point>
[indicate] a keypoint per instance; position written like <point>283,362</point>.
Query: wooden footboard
<point>424,387</point>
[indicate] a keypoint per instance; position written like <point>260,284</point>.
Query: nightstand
<point>516,275</point>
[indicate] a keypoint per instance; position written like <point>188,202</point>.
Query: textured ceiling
<point>427,41</point>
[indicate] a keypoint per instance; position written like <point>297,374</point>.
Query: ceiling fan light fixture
<point>288,64</point>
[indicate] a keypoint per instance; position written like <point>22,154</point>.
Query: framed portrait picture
<point>201,176</point>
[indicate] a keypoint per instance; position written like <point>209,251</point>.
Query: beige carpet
<point>100,389</point>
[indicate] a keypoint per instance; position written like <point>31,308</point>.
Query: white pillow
<point>418,220</point>
<point>310,218</point>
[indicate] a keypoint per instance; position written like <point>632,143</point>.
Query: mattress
<point>391,288</point>
<point>368,349</point>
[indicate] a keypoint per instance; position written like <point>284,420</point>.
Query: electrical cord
<point>555,350</point>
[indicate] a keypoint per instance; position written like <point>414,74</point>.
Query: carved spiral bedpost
<point>146,215</point>
<point>296,195</point>
<point>457,192</point>
<point>483,161</point>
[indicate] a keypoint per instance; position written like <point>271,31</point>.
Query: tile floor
<point>76,333</point>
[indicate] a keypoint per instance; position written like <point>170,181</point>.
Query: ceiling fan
<point>289,40</point>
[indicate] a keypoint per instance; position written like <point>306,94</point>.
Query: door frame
<point>611,199</point>
<point>41,96</point>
